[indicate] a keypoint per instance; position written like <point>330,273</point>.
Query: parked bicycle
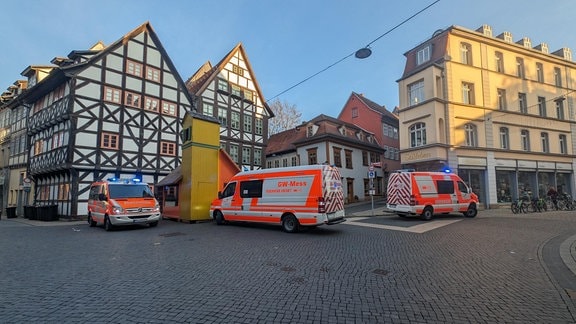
<point>519,206</point>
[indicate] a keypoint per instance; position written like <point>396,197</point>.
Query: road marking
<point>422,228</point>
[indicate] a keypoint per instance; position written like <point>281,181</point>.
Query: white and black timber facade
<point>230,92</point>
<point>111,111</point>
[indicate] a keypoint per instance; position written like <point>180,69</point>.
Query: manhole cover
<point>381,272</point>
<point>172,234</point>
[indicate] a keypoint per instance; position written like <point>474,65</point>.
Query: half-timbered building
<point>110,111</point>
<point>230,92</point>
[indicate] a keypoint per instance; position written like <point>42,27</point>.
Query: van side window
<point>93,195</point>
<point>462,187</point>
<point>229,191</point>
<point>445,186</point>
<point>251,189</point>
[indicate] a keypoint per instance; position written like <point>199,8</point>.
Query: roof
<point>200,80</point>
<point>172,178</point>
<point>328,128</point>
<point>374,106</point>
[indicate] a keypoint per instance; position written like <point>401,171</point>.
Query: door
<point>350,189</point>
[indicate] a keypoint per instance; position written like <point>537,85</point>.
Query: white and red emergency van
<point>309,195</point>
<point>117,202</point>
<point>427,193</point>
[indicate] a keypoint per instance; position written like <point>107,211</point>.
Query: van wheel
<point>91,221</point>
<point>218,217</point>
<point>471,212</point>
<point>107,224</point>
<point>427,213</point>
<point>290,224</point>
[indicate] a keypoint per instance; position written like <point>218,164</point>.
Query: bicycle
<point>518,206</point>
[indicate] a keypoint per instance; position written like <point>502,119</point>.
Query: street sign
<point>371,174</point>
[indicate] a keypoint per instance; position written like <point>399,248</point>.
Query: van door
<point>250,193</point>
<point>465,196</point>
<point>228,202</point>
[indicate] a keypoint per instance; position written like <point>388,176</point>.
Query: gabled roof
<point>97,51</point>
<point>328,127</point>
<point>374,106</point>
<point>200,80</point>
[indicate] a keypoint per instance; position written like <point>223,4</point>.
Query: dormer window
<point>342,130</point>
<point>310,131</point>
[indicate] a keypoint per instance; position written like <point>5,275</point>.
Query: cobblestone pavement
<point>494,268</point>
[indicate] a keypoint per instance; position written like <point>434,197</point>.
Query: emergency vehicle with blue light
<point>117,202</point>
<point>425,194</point>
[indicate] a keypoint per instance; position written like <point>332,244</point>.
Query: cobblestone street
<point>497,267</point>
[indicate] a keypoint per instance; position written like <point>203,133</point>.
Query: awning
<point>172,178</point>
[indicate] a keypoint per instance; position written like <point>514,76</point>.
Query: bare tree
<point>286,116</point>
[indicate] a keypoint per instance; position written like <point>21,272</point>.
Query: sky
<point>304,44</point>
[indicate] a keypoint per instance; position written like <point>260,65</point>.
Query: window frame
<point>113,140</point>
<point>504,138</point>
<point>417,133</point>
<point>167,148</point>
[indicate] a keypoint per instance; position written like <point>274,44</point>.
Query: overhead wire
<point>351,54</point>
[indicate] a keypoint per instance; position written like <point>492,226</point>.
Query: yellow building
<point>498,112</point>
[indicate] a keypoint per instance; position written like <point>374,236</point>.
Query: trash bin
<point>30,212</point>
<point>10,212</point>
<point>47,213</point>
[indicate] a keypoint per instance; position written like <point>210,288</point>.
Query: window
<point>542,106</point>
<point>502,99</point>
<point>151,104</point>
<point>364,158</point>
<point>348,159</point>
<point>337,156</point>
<point>251,189</point>
<point>234,152</point>
<point>134,68</point>
<point>520,67</point>
<point>247,124</point>
<point>540,72</point>
<point>167,148</point>
<point>471,135</point>
<point>57,140</point>
<point>112,95</point>
<point>259,125</point>
<point>563,144</point>
<point>445,186</point>
<point>132,99</point>
<point>58,93</point>
<point>504,138</point>
<point>557,77</point>
<point>152,74</point>
<point>229,190</point>
<point>560,108</point>
<point>223,116</point>
<point>417,135</point>
<point>284,162</point>
<point>294,161</point>
<point>525,140</point>
<point>236,90</point>
<point>416,92</point>
<point>523,105</point>
<point>246,155</point>
<point>238,70</point>
<point>257,156</point>
<point>465,53</point>
<point>168,108</point>
<point>249,95</point>
<point>312,157</point>
<point>499,58</point>
<point>235,120</point>
<point>109,141</point>
<point>207,109</point>
<point>423,55</point>
<point>354,112</point>
<point>545,143</point>
<point>222,85</point>
<point>64,191</point>
<point>310,131</point>
<point>468,93</point>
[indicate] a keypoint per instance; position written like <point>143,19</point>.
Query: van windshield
<point>130,191</point>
